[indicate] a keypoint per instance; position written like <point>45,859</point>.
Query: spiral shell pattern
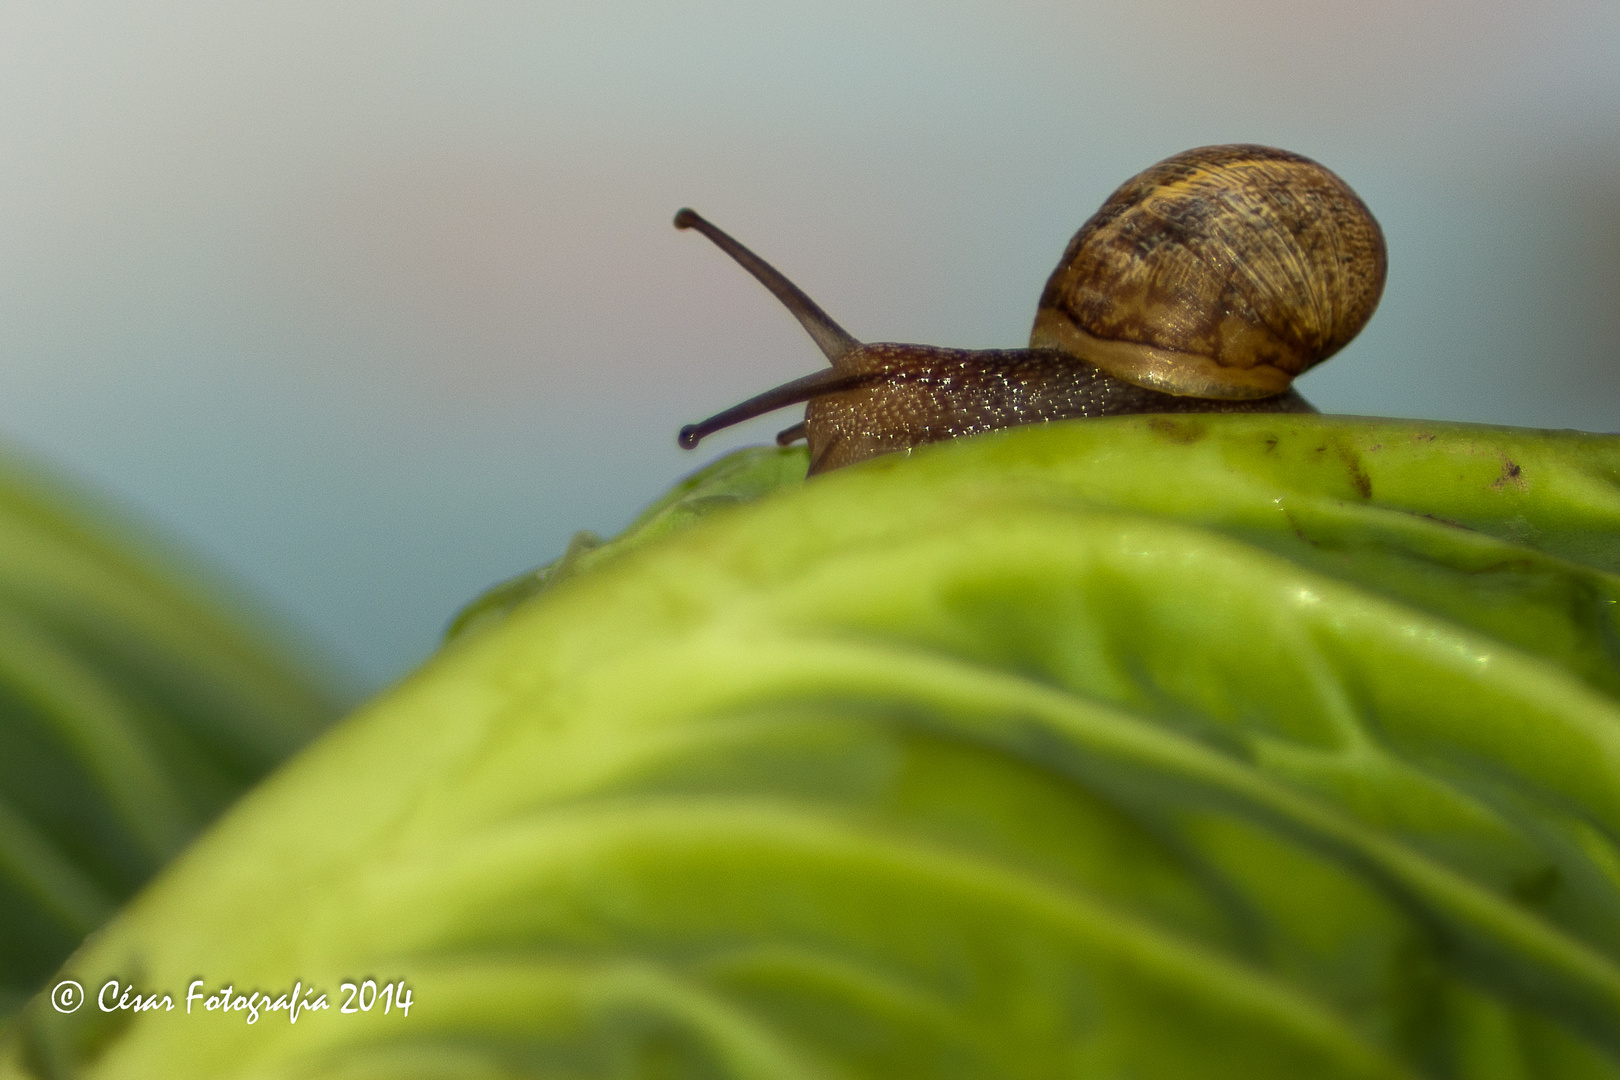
<point>1221,272</point>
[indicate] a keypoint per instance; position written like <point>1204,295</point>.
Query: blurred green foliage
<point>136,701</point>
<point>1233,746</point>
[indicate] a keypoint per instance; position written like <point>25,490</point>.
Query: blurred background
<point>373,304</point>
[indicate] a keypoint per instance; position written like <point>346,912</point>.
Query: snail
<point>1204,284</point>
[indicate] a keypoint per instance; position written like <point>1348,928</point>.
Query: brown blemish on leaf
<point>1447,521</point>
<point>1512,477</point>
<point>1354,468</point>
<point>1182,432</point>
<point>1299,532</point>
<point>1423,436</point>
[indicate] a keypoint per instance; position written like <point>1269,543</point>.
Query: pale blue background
<point>373,304</point>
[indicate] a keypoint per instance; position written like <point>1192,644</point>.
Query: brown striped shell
<point>1222,272</point>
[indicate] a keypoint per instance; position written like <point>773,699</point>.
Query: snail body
<point>1204,284</point>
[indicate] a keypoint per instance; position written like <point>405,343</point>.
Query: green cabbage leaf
<point>1234,746</point>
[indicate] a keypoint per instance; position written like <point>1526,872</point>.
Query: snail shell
<point>1222,272</point>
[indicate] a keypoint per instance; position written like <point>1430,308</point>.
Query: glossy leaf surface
<point>1233,746</point>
